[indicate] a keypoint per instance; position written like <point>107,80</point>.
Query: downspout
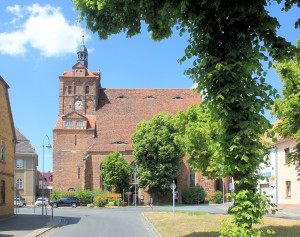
<point>32,178</point>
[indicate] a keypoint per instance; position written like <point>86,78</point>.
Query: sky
<point>39,41</point>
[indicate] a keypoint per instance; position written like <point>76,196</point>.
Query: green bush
<point>216,197</point>
<point>190,195</point>
<point>84,196</point>
<point>100,200</point>
<point>55,195</point>
<point>116,202</point>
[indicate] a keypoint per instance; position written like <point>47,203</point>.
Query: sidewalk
<point>27,225</point>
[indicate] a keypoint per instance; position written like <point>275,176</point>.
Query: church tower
<point>79,88</point>
<point>75,129</point>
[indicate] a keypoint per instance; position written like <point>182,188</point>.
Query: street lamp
<point>48,146</point>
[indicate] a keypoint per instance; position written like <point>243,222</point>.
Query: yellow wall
<point>7,167</point>
<point>287,173</point>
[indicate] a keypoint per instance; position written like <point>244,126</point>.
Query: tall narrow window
<point>2,201</point>
<point>102,183</point>
<point>286,153</point>
<point>192,177</point>
<point>87,90</point>
<point>288,188</point>
<point>78,173</point>
<point>19,183</point>
<point>75,140</point>
<point>19,164</point>
<point>3,151</point>
<point>69,89</point>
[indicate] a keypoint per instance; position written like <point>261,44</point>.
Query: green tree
<point>156,154</point>
<point>228,41</point>
<point>116,172</point>
<point>287,108</point>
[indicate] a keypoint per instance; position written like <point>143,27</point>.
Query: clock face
<point>78,105</point>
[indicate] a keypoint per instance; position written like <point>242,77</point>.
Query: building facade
<point>7,153</point>
<point>26,162</point>
<point>94,121</point>
<point>288,183</point>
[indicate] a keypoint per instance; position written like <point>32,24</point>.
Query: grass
<point>202,224</point>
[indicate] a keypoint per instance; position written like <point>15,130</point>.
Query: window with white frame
<point>19,164</point>
<point>3,151</point>
<point>19,183</point>
<point>69,124</point>
<point>79,124</point>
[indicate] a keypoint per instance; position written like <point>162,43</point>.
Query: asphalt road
<point>116,222</point>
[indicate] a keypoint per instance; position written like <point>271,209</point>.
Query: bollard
<point>52,212</point>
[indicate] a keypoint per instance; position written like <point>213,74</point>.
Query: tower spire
<point>82,54</point>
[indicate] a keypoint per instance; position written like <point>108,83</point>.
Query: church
<point>94,121</point>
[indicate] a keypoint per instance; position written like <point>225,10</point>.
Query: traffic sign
<point>272,178</point>
<point>172,186</point>
<point>112,195</point>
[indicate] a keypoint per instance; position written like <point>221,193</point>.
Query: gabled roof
<point>74,115</point>
<point>23,143</point>
<point>78,65</point>
<point>91,122</point>
<point>88,73</point>
<point>120,110</point>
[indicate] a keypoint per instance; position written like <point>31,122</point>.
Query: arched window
<point>79,124</point>
<point>71,190</point>
<point>102,183</point>
<point>192,177</point>
<point>19,183</point>
<point>69,124</point>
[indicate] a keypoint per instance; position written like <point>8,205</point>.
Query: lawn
<point>208,225</point>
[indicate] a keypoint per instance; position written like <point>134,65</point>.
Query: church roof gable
<point>73,115</point>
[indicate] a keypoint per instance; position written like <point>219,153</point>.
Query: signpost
<point>112,195</point>
<point>173,186</point>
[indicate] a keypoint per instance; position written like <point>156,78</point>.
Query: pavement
<point>31,225</point>
<point>28,225</point>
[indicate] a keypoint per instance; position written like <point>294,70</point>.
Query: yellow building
<point>26,161</point>
<point>7,153</point>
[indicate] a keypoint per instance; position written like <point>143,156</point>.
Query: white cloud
<point>44,29</point>
<point>16,10</point>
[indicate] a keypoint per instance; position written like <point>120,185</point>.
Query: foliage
<point>197,135</point>
<point>55,195</point>
<point>100,200</point>
<point>116,172</point>
<point>216,197</point>
<point>228,43</point>
<point>118,200</point>
<point>190,195</point>
<point>288,108</point>
<point>84,196</point>
<point>156,154</point>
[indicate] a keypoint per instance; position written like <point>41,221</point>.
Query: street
<point>83,221</point>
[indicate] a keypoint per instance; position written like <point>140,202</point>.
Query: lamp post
<point>48,146</point>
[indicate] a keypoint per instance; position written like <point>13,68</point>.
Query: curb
<point>151,227</point>
<point>50,225</point>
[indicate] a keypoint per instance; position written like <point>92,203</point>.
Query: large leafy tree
<point>156,153</point>
<point>287,108</point>
<point>116,172</point>
<point>228,41</point>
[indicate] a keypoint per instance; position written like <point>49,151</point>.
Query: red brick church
<point>94,121</point>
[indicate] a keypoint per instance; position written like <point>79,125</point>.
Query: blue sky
<point>39,41</point>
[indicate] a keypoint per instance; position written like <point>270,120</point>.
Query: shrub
<point>100,200</point>
<point>190,195</point>
<point>116,202</point>
<point>55,195</point>
<point>216,197</point>
<point>84,196</point>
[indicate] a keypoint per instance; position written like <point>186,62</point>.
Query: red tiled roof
<point>87,74</point>
<point>120,110</point>
<point>283,140</point>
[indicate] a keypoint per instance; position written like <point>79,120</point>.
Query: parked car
<point>65,201</point>
<point>24,201</point>
<point>18,202</point>
<point>39,201</point>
